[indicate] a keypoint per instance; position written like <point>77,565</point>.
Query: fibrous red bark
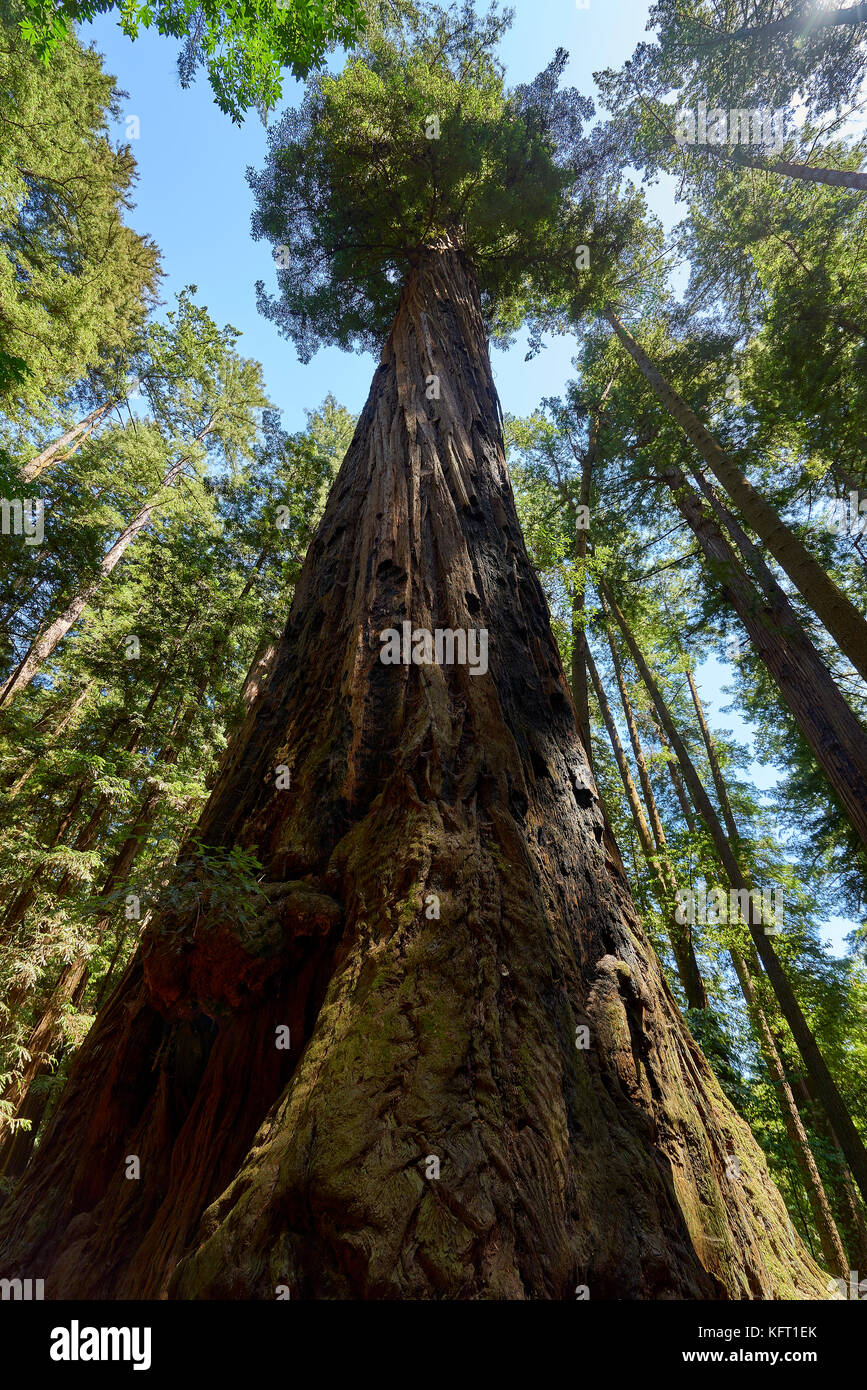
<point>413,791</point>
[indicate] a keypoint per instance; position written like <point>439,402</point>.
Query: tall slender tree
<point>443,914</point>
<point>826,1087</point>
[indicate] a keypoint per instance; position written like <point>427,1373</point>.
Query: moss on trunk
<point>415,1036</point>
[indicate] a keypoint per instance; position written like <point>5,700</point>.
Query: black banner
<point>225,1341</point>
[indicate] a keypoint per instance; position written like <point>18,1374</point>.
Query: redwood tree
<point>489,1091</point>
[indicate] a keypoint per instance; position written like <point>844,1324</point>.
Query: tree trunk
<point>44,1039</point>
<point>580,692</point>
<point>87,834</point>
<point>578,682</point>
<point>73,435</point>
<point>826,721</point>
<point>46,642</point>
<point>679,935</point>
<point>713,762</point>
<point>850,1210</point>
<point>666,890</point>
<point>807,173</point>
<point>832,1248</point>
<point>851,483</point>
<point>45,1036</point>
<point>673,773</point>
<point>421,1044</point>
<point>838,614</point>
<point>60,727</point>
<point>821,1079</point>
<point>791,24</point>
<point>829,1236</point>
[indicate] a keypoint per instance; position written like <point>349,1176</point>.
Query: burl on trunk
<point>523,1037</point>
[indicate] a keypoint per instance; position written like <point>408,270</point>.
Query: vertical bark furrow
<point>415,789</point>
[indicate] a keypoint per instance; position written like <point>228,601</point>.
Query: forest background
<point>203,592</point>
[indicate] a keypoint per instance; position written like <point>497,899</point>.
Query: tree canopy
<point>243,47</point>
<point>419,140</point>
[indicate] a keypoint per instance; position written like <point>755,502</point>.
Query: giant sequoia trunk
<point>415,790</point>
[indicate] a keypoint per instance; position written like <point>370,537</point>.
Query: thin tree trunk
<point>673,773</point>
<point>838,614</point>
<point>16,1148</point>
<point>580,692</point>
<point>445,914</point>
<point>831,1246</point>
<point>807,173</point>
<point>851,1214</point>
<point>60,727</point>
<point>580,645</point>
<point>824,718</point>
<point>634,739</point>
<point>632,797</point>
<point>851,483</point>
<point>86,836</point>
<point>821,1079</point>
<point>46,642</point>
<point>176,739</point>
<point>750,552</point>
<point>681,944</point>
<point>815,18</point>
<point>45,1036</point>
<point>829,1236</point>
<point>713,761</point>
<point>50,454</point>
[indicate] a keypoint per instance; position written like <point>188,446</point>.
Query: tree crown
<point>415,143</point>
<point>243,45</point>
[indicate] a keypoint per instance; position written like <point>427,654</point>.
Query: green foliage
<point>75,282</point>
<point>811,68</point>
<point>416,143</point>
<point>106,761</point>
<point>242,46</point>
<point>106,758</point>
<point>710,1032</point>
<point>773,53</point>
<point>216,883</point>
<point>13,371</point>
<point>792,837</point>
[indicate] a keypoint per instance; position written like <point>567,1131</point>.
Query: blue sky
<point>193,199</point>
